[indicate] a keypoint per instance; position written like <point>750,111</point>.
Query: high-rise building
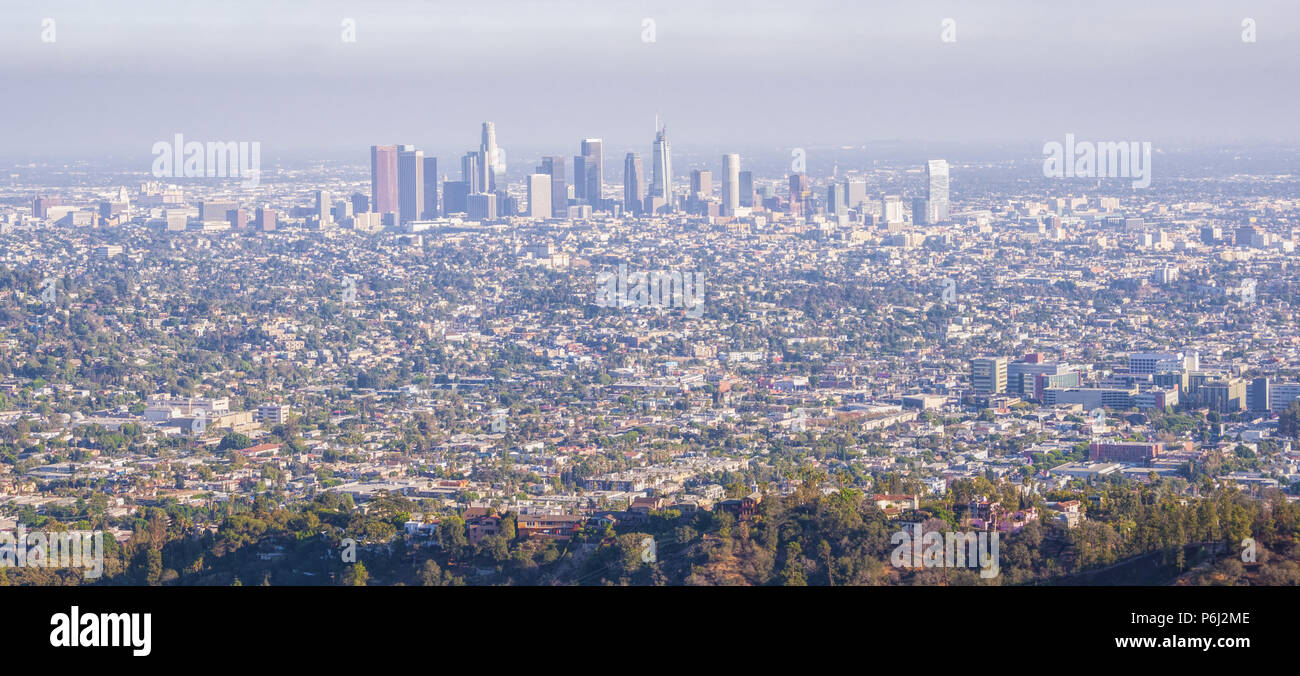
<point>553,166</point>
<point>701,184</point>
<point>746,188</point>
<point>470,174</point>
<point>661,175</point>
<point>988,375</point>
<point>265,219</point>
<point>360,203</point>
<point>539,196</point>
<point>430,206</point>
<point>855,193</point>
<point>1282,395</point>
<point>587,183</point>
<point>383,179</point>
<point>410,183</point>
<point>41,205</point>
<point>633,183</point>
<point>936,172</point>
<point>323,205</point>
<point>891,209</point>
<point>798,187</point>
<point>924,211</point>
<point>730,184</point>
<point>836,201</point>
<point>580,166</point>
<point>455,197</point>
<point>492,161</point>
<point>1257,395</point>
<point>482,206</point>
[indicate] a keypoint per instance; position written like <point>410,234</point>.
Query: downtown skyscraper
<point>383,180</point>
<point>936,173</point>
<point>730,184</point>
<point>430,188</point>
<point>589,171</point>
<point>410,183</point>
<point>633,183</point>
<point>661,173</point>
<point>553,166</point>
<point>492,160</point>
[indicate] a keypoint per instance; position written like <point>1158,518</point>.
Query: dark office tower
<point>746,188</point>
<point>836,201</point>
<point>410,183</point>
<point>455,197</point>
<point>554,167</point>
<point>593,154</point>
<point>238,218</point>
<point>1258,395</point>
<point>937,173</point>
<point>265,219</point>
<point>430,188</point>
<point>360,203</point>
<point>633,183</point>
<point>923,211</point>
<point>730,184</point>
<point>798,187</point>
<point>470,174</point>
<point>661,175</point>
<point>383,179</point>
<point>579,178</point>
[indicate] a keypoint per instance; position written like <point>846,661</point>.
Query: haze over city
<point>748,76</point>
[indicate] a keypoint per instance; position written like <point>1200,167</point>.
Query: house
<point>743,508</point>
<point>553,526</point>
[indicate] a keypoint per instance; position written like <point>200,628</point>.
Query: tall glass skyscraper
<point>936,171</point>
<point>730,184</point>
<point>633,183</point>
<point>492,160</point>
<point>383,179</point>
<point>554,167</point>
<point>430,187</point>
<point>593,171</point>
<point>410,183</point>
<point>661,176</point>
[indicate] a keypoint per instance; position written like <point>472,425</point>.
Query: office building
<point>936,173</point>
<point>430,202</point>
<point>554,167</point>
<point>661,174</point>
<point>455,197</point>
<point>989,375</point>
<point>470,173</point>
<point>322,211</point>
<point>410,183</point>
<point>539,196</point>
<point>746,188</point>
<point>730,184</point>
<point>589,172</point>
<point>383,179</point>
<point>633,183</point>
<point>482,206</point>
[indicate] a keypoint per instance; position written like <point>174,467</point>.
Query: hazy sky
<point>745,73</point>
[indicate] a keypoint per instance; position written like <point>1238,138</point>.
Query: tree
<point>356,575</point>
